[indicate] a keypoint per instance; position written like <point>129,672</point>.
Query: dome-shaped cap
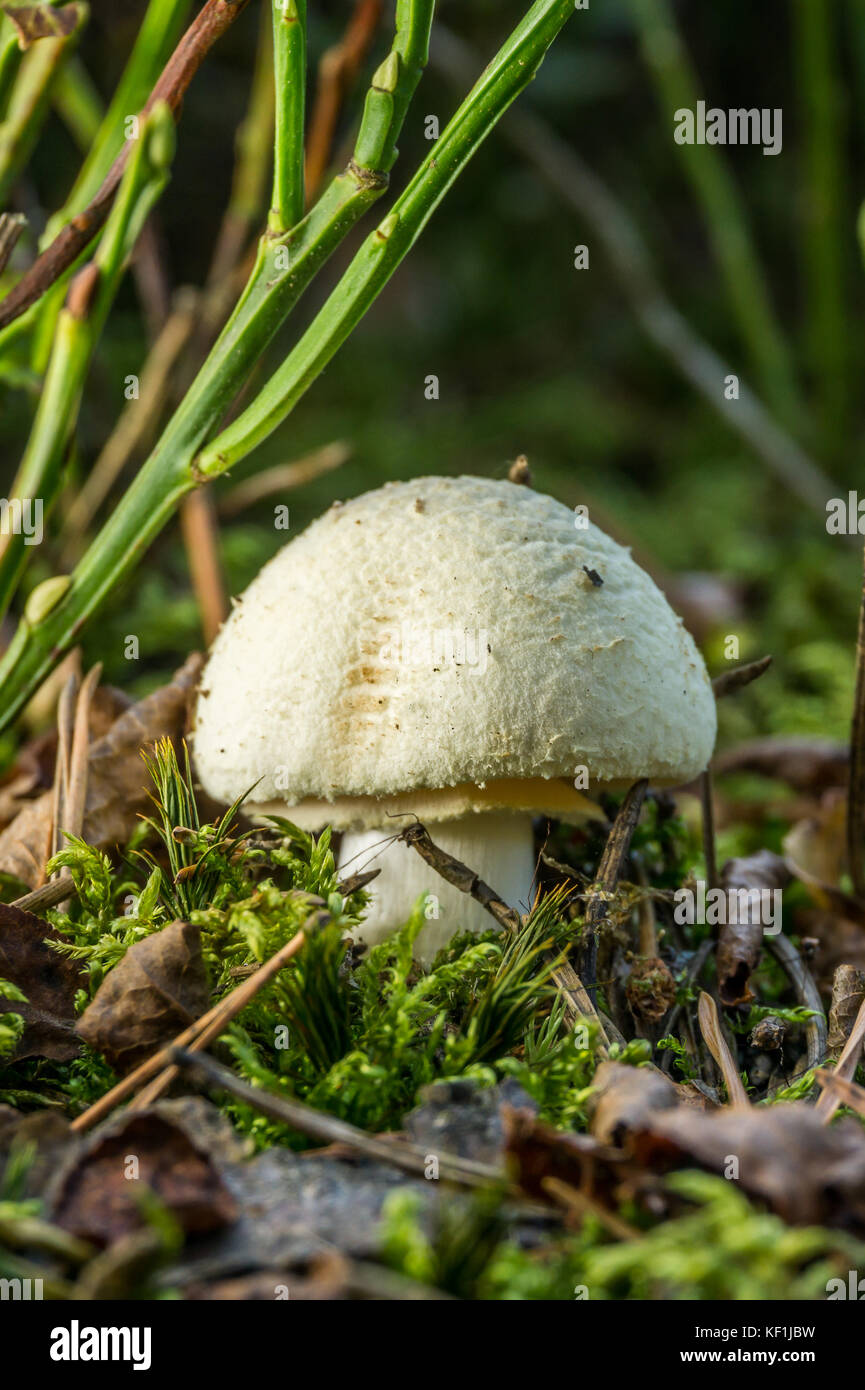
<point>449,633</point>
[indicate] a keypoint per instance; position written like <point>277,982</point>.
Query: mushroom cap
<point>441,638</point>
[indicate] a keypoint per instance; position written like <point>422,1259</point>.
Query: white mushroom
<point>460,649</point>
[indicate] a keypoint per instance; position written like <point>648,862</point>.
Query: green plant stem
<point>30,100</point>
<point>79,326</point>
<point>157,36</point>
<point>10,60</point>
<point>171,470</point>
<point>723,213</point>
<point>283,269</point>
<point>78,103</point>
<point>384,249</point>
<point>815,64</point>
<point>289,66</point>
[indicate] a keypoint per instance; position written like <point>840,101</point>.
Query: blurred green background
<point>534,356</point>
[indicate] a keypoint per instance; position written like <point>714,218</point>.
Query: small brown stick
<point>739,677</point>
<point>841,1091</point>
<point>49,895</point>
<point>201,542</point>
<point>284,477</point>
<point>209,24</point>
<point>234,1004</point>
<point>337,69</point>
<point>710,1027</point>
<point>609,871</point>
<point>845,1067</point>
<point>459,875</point>
<point>212,1023</point>
<point>582,1205</point>
<point>856,782</point>
<point>577,1001</point>
<point>409,1158</point>
<point>707,822</point>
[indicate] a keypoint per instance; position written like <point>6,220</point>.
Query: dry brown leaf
<point>807,1173</point>
<point>710,1027</point>
<point>158,988</point>
<point>848,993</point>
<point>624,1099</point>
<point>49,980</point>
<point>35,22</point>
<point>97,1196</point>
<point>536,1152</point>
<point>740,944</point>
<point>117,782</point>
<point>845,1067</point>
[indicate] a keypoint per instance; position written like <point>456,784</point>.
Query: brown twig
<point>856,783</point>
<point>707,821</point>
<point>198,1034</point>
<point>582,1205</point>
<point>209,24</point>
<point>609,871</point>
<point>337,69</point>
<point>409,1158</point>
<point>840,1090</point>
<point>845,1067</point>
<point>739,677</point>
<point>459,875</point>
<point>201,543</point>
<point>578,1004</point>
<point>284,477</point>
<point>49,895</point>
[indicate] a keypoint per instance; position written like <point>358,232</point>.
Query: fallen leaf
<point>117,784</point>
<point>848,993</point>
<point>808,1173</point>
<point>740,943</point>
<point>97,1199</point>
<point>535,1151</point>
<point>624,1099</point>
<point>157,989</point>
<point>48,979</point>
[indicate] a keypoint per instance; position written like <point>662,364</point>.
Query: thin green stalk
<point>79,326</point>
<point>817,84</point>
<point>501,82</point>
<point>253,145</point>
<point>30,100</point>
<point>10,60</point>
<point>289,66</point>
<point>159,32</point>
<point>722,208</point>
<point>78,103</point>
<point>170,472</point>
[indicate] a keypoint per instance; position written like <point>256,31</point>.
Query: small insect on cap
<point>449,646</point>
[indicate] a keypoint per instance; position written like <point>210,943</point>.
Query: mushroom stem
<point>497,846</point>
